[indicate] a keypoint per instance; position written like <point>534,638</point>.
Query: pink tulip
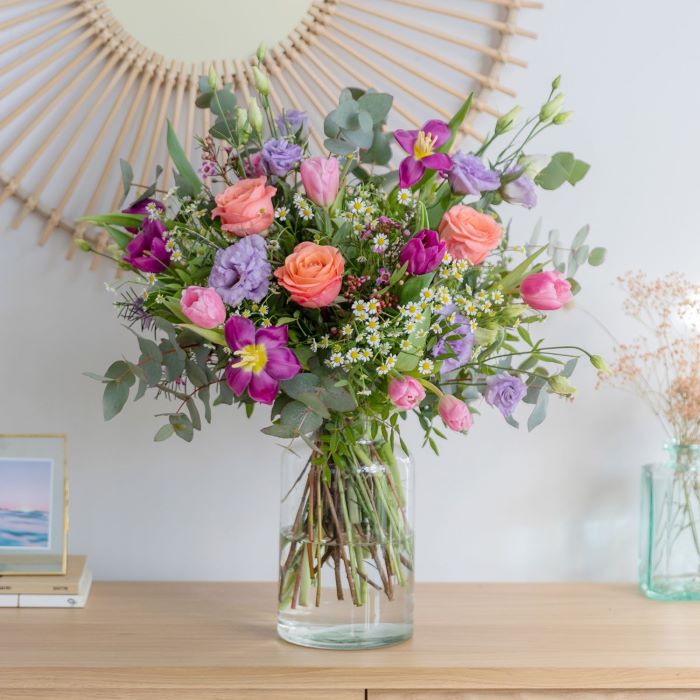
<point>546,291</point>
<point>203,306</point>
<point>455,413</point>
<point>321,179</point>
<point>406,393</point>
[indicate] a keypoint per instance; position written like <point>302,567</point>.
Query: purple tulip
<point>421,147</point>
<point>261,359</point>
<point>423,253</point>
<point>146,251</point>
<point>143,207</point>
<point>470,176</point>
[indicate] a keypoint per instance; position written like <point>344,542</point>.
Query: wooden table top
<point>467,636</point>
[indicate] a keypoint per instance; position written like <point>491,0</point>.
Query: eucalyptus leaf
<point>539,412</point>
<point>164,433</point>
<point>597,256</point>
<point>182,426</point>
<point>116,394</point>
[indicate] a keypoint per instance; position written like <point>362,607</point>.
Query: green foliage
<point>562,168</point>
<point>188,181</point>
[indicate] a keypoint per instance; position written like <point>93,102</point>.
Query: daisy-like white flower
<point>486,306</point>
<point>461,300</point>
<point>145,294</point>
<point>153,211</point>
<point>370,209</point>
<point>373,306</point>
<point>391,361</point>
<point>373,339</point>
<point>335,360</point>
<point>482,295</point>
<point>358,227</point>
<point>361,315</point>
<point>281,213</point>
<point>419,317</point>
<point>444,273</point>
<point>470,308</point>
<point>372,325</point>
<point>170,245</point>
<point>410,327</point>
<point>245,313</point>
<point>380,243</point>
<point>462,265</point>
<point>365,355</point>
<point>497,296</point>
<point>421,334</point>
<point>357,206</point>
<point>411,309</point>
<point>324,342</point>
<point>263,310</point>
<point>353,355</point>
<point>160,299</point>
<point>306,212</point>
<point>405,344</point>
<point>383,369</point>
<point>298,199</point>
<point>177,255</point>
<point>151,278</point>
<point>435,328</point>
<point>347,215</point>
<point>359,306</point>
<point>473,325</point>
<point>447,260</point>
<point>427,294</point>
<point>426,366</point>
<point>266,323</point>
<point>404,196</point>
<point>346,330</point>
<point>444,296</point>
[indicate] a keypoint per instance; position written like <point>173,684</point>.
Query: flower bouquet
<point>344,294</point>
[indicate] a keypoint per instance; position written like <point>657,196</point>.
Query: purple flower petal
<point>410,171</point>
<point>282,363</point>
<point>238,379</point>
<point>406,139</point>
<point>239,332</point>
<point>438,128</point>
<point>437,161</point>
<point>272,337</point>
<point>263,388</point>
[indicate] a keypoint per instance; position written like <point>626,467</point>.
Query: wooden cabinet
<point>217,641</point>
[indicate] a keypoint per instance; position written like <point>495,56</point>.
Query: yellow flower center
<point>424,145</point>
<point>253,358</point>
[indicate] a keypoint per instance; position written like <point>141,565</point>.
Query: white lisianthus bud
<point>555,82</point>
<point>260,53</point>
<point>562,118</point>
<point>213,78</point>
<point>261,82</point>
<point>600,364</point>
<point>255,116</point>
<point>506,121</point>
<point>559,384</point>
<point>82,244</point>
<point>533,165</point>
<point>551,109</point>
<point>241,118</point>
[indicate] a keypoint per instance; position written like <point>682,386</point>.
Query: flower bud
<point>82,244</point>
<point>533,165</point>
<point>260,53</point>
<point>551,108</point>
<point>600,364</point>
<point>241,118</point>
<point>559,384</point>
<point>213,78</point>
<point>261,82</point>
<point>255,116</point>
<point>555,82</point>
<point>562,118</point>
<point>505,122</point>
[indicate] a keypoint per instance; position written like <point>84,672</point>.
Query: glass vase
<point>346,545</point>
<point>670,526</point>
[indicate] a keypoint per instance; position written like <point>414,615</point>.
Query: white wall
<point>559,504</point>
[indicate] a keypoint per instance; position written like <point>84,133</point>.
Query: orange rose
<point>246,207</point>
<point>312,274</point>
<point>469,235</point>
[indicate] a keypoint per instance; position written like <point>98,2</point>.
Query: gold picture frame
<point>33,504</point>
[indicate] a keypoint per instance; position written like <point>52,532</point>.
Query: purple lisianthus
<point>291,120</point>
<point>520,191</point>
<point>470,176</point>
<point>505,392</point>
<point>460,343</point>
<point>261,359</point>
<point>146,251</point>
<point>423,253</point>
<point>279,156</point>
<point>242,271</point>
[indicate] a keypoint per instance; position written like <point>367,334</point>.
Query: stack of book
<point>68,591</point>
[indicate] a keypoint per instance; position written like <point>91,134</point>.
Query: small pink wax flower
<point>321,179</point>
<point>546,291</point>
<point>406,392</point>
<point>203,306</point>
<point>455,413</point>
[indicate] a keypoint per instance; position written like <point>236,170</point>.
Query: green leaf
<point>223,103</point>
<point>580,237</point>
<point>195,373</point>
<point>525,335</point>
<point>515,276</point>
<point>279,431</point>
<point>378,104</point>
<point>173,359</point>
<point>398,274</point>
<point>557,172</point>
<point>115,219</point>
<point>578,171</point>
<point>182,426</point>
<point>313,401</point>
<point>456,122</point>
<point>412,287</point>
<point>339,147</point>
<point>213,336</point>
<point>164,433</point>
<point>539,412</point>
<point>127,176</point>
<point>194,414</point>
<point>406,362</point>
<point>301,384</point>
<point>300,418</point>
<point>182,165</point>
<point>597,256</point>
<point>150,350</point>
<point>121,238</point>
<point>339,400</point>
<point>116,394</point>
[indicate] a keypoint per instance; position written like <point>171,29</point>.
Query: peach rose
<point>469,235</point>
<point>312,274</point>
<point>246,207</point>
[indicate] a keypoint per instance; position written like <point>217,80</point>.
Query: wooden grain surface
<point>221,636</point>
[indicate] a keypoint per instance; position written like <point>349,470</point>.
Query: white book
<point>54,600</point>
<point>9,600</point>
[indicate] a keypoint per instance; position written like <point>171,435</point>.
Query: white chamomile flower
<point>497,296</point>
<point>151,278</point>
<point>421,334</point>
<point>410,327</point>
<point>160,299</point>
<point>470,308</point>
<point>427,294</point>
<point>412,308</point>
<point>373,339</point>
<point>373,306</point>
<point>405,345</point>
<point>372,325</point>
<point>359,306</point>
<point>447,260</point>
<point>456,273</point>
<point>153,212</point>
<point>281,213</point>
<point>170,245</point>
<point>461,300</point>
<point>266,323</point>
<point>435,328</point>
<point>419,317</point>
<point>177,255</point>
<point>365,355</point>
<point>353,355</point>
<point>482,295</point>
<point>358,227</point>
<point>472,325</point>
<point>255,308</point>
<point>346,330</point>
<point>404,196</point>
<point>145,294</point>
<point>263,310</point>
<point>424,305</point>
<point>383,369</point>
<point>444,273</point>
<point>370,209</point>
<point>335,360</point>
<point>391,361</point>
<point>444,296</point>
<point>325,342</point>
<point>306,212</point>
<point>298,199</point>
<point>462,265</point>
<point>380,240</point>
<point>347,215</point>
<point>357,206</point>
<point>486,306</point>
<point>361,315</point>
<point>426,366</point>
<point>245,313</point>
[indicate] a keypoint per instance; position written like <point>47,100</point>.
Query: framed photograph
<point>33,504</point>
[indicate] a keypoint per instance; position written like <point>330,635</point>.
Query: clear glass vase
<point>670,526</point>
<point>346,545</point>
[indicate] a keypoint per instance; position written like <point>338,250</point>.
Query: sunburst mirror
<point>86,82</point>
